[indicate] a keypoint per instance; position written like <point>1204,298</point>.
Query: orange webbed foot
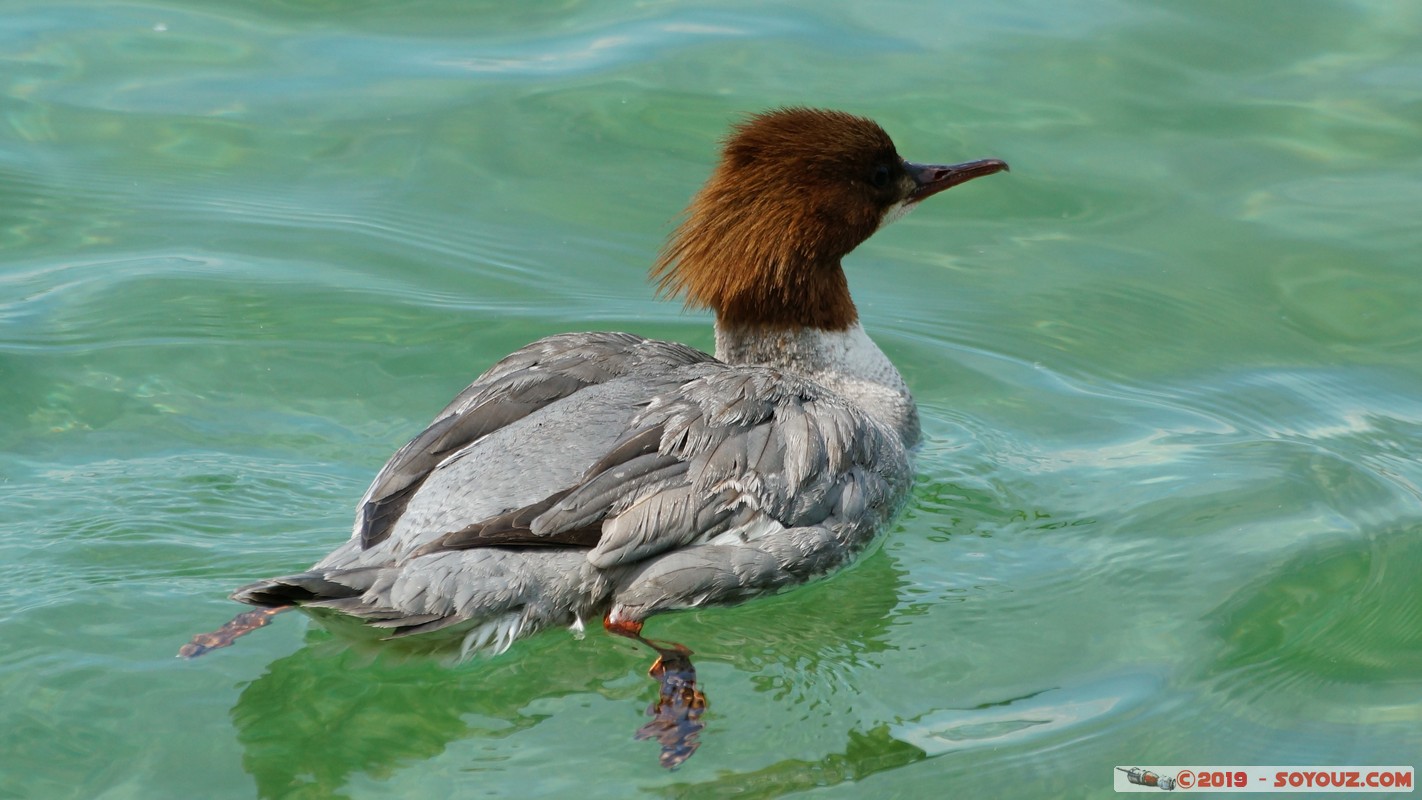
<point>676,713</point>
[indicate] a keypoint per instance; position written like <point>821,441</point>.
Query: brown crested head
<point>796,189</point>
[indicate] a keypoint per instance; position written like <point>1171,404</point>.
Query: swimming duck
<point>608,476</point>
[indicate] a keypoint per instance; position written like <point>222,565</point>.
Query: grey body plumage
<point>675,480</point>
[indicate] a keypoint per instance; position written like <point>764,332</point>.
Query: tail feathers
<point>305,588</point>
<point>342,591</point>
<point>349,593</point>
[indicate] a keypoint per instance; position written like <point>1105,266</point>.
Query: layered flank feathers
<point>727,451</point>
<point>525,381</point>
<point>725,459</point>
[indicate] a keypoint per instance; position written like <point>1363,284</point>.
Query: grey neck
<point>847,362</point>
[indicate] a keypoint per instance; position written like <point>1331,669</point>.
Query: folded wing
<point>732,454</point>
<point>529,379</point>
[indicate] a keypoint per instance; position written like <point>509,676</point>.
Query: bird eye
<point>881,176</point>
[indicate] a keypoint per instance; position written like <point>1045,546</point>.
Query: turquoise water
<point>1169,510</point>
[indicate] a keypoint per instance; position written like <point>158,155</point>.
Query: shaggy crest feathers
<point>796,189</point>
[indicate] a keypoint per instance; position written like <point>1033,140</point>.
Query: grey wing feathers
<point>528,379</point>
<point>733,446</point>
<point>726,481</point>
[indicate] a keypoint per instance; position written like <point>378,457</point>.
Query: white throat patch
<point>896,212</point>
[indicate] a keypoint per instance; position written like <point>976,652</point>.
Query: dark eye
<point>880,178</point>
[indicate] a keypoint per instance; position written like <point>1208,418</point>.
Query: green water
<point>1169,510</point>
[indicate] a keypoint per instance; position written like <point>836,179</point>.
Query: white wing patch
<point>755,530</point>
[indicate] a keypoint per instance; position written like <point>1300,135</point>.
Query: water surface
<point>1170,368</point>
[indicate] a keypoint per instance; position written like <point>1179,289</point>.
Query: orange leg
<point>676,713</point>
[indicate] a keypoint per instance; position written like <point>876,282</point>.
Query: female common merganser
<point>606,475</point>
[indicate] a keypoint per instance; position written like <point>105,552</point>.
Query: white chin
<point>896,211</point>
